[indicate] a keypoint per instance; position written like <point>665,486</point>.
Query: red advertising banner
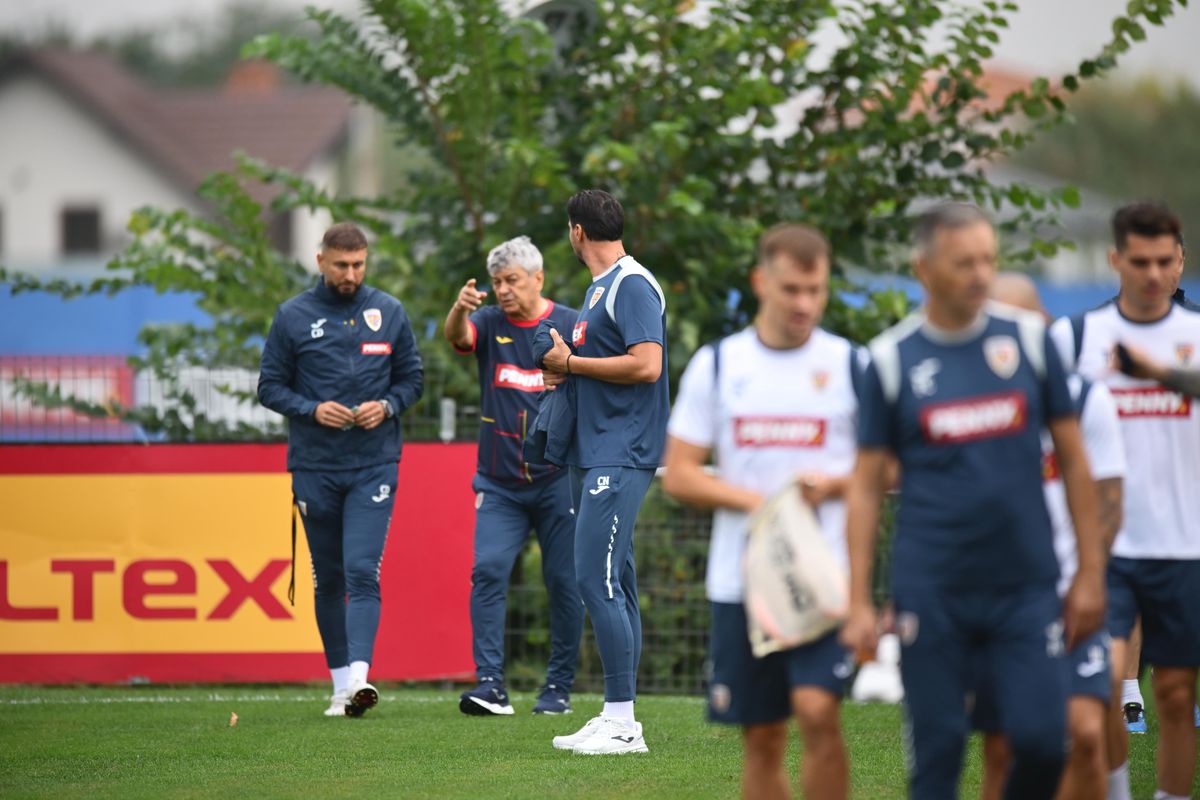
<point>171,563</point>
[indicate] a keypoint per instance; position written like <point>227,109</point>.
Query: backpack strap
<point>628,266</point>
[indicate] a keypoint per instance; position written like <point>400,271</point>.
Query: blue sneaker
<point>553,700</point>
<point>1135,718</point>
<point>486,699</point>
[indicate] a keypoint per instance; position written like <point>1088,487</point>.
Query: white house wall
<point>54,153</point>
<point>309,226</point>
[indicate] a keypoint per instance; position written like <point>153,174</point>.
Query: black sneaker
<point>553,700</point>
<point>486,699</point>
<point>1135,718</point>
<point>362,697</point>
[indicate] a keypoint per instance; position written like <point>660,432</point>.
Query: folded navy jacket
<point>554,428</point>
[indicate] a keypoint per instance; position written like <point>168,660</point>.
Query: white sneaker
<point>337,704</point>
<point>613,736</point>
<point>363,696</point>
<point>580,736</point>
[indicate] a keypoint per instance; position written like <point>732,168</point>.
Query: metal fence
<point>671,541</point>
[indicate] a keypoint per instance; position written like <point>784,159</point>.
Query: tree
<point>1128,141</point>
<point>709,122</point>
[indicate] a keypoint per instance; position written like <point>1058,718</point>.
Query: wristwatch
<point>388,411</point>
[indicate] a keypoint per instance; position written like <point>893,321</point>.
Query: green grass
<point>176,742</point>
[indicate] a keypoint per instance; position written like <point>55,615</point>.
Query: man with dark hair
<point>512,496</point>
<point>341,363</point>
<point>618,363</point>
<point>1155,570</point>
<point>960,392</point>
<point>776,402</point>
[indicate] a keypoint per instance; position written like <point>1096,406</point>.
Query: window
<point>80,230</point>
<point>279,231</point>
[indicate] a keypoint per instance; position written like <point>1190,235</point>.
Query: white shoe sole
<point>492,708</point>
<point>638,746</point>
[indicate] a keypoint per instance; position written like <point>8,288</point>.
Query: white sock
<point>1131,692</point>
<point>622,711</point>
<point>1118,783</point>
<point>358,671</point>
<point>341,678</point>
<point>1161,795</point>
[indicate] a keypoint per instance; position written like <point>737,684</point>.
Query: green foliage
<point>709,126</point>
<point>1130,141</point>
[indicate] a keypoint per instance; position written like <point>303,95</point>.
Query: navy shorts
<point>1091,674</point>
<point>744,690</point>
<point>1166,594</point>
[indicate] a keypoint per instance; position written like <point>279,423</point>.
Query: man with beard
<point>341,363</point>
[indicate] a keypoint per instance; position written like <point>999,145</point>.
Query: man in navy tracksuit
<point>618,363</point>
<point>960,394</point>
<point>512,496</point>
<point>341,363</point>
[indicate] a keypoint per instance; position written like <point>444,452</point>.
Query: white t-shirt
<point>1106,456</point>
<point>776,413</point>
<point>1161,427</point>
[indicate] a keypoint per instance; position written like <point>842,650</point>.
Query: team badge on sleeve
<point>1002,355</point>
<point>374,318</point>
<point>595,298</point>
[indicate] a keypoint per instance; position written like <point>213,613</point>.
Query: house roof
<point>190,133</point>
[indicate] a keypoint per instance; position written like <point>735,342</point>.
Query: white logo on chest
<point>317,330</point>
<point>922,377</point>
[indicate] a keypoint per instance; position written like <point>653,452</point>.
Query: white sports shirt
<point>1106,456</point>
<point>1161,427</point>
<point>776,413</point>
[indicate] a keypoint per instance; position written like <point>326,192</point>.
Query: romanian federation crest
<point>1002,355</point>
<point>374,318</point>
<point>595,298</point>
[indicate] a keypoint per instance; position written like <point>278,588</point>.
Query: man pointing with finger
<point>511,496</point>
<point>341,363</point>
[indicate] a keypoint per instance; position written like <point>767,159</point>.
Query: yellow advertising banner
<point>151,563</point>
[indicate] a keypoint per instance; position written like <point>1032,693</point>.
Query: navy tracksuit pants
<point>504,515</point>
<point>609,499</point>
<point>1017,633</point>
<point>346,516</point>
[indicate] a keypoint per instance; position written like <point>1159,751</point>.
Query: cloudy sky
<point>1047,36</point>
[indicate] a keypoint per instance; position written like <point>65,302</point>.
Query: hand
<point>552,380</point>
<point>860,631</point>
<point>556,359</point>
<point>816,487</point>
<point>333,415</point>
<point>369,415</point>
<point>1083,608</point>
<point>469,298</point>
<point>1141,364</point>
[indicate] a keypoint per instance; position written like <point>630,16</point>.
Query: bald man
<point>1091,684</point>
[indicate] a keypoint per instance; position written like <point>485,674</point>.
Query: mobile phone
<point>1124,360</point>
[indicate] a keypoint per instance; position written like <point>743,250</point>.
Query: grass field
<point>176,742</point>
